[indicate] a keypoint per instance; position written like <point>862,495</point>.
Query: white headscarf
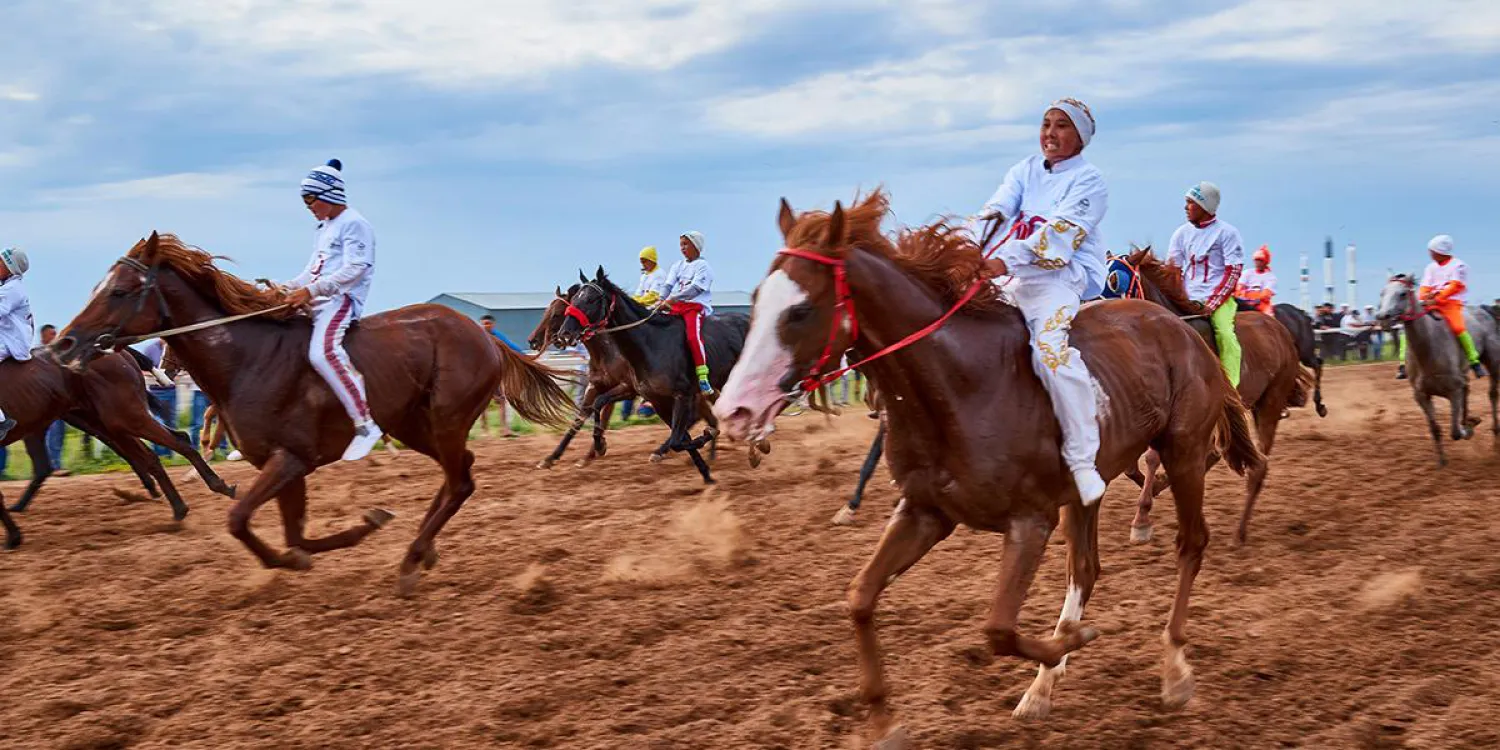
<point>696,238</point>
<point>1078,112</point>
<point>15,260</point>
<point>1441,244</point>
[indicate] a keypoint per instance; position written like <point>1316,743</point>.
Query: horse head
<point>552,319</point>
<point>1398,300</point>
<point>590,306</point>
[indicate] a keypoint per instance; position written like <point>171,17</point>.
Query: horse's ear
<point>153,242</point>
<point>599,273</point>
<point>581,278</point>
<point>786,219</point>
<point>836,225</point>
<point>558,292</point>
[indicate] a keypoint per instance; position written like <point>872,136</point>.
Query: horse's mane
<point>235,295</point>
<point>941,256</point>
<point>1166,277</point>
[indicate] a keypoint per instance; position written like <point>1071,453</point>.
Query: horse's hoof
<point>844,516</point>
<point>1322,410</point>
<point>895,739</point>
<point>179,512</point>
<point>1140,534</point>
<point>581,463</point>
<point>296,558</point>
<point>378,517</point>
<point>763,446</point>
<point>1032,707</point>
<point>430,558</point>
<point>406,584</point>
<point>601,450</point>
<point>1176,693</point>
<point>755,460</point>
<point>12,541</point>
<point>657,458</point>
<point>545,463</point>
<point>17,508</point>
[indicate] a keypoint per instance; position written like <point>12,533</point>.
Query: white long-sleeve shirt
<point>343,260</point>
<point>653,281</point>
<point>1055,212</point>
<point>691,281</point>
<point>1438,276</point>
<point>1211,258</point>
<point>1259,281</point>
<point>16,325</point>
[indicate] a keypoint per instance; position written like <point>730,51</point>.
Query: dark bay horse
<point>1435,364</point>
<point>973,438</point>
<point>655,347</point>
<point>107,400</point>
<point>429,372</point>
<point>1271,378</point>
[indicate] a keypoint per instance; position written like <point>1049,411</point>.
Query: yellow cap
<point>648,253</point>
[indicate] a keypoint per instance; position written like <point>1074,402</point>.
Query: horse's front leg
<point>1425,402</point>
<point>1140,526</point>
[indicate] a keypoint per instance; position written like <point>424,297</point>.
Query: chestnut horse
<point>109,401</point>
<point>1272,378</point>
<point>972,437</point>
<point>428,369</point>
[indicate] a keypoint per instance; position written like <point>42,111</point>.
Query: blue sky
<point>500,146</point>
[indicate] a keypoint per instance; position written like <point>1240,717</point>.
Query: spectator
<point>58,429</point>
<point>198,409</point>
<point>1324,317</point>
<point>1357,329</point>
<point>163,401</point>
<point>1377,335</point>
<point>488,324</point>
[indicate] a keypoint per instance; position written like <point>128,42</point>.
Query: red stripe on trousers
<point>692,315</point>
<point>331,354</point>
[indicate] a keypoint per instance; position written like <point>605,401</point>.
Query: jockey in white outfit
<point>1054,202</point>
<point>335,284</point>
<point>16,324</point>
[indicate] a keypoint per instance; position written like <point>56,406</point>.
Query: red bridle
<point>844,306</point>
<point>590,327</point>
<point>1417,308</point>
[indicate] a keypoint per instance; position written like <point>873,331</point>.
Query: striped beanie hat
<point>326,183</point>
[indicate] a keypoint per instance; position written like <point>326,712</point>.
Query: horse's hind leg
<point>142,459</point>
<point>1083,571</point>
<point>911,533</point>
<point>1318,388</point>
<point>562,446</point>
<point>458,486</point>
<point>1266,421</point>
<point>147,428</point>
<point>292,502</point>
<point>1140,526</point>
<point>1185,466</point>
<point>279,470</point>
<point>601,426</point>
<point>12,531</point>
<point>1425,402</point>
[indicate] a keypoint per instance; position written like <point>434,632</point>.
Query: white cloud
<point>465,42</point>
<point>182,186</point>
<point>18,94</point>
<point>965,84</point>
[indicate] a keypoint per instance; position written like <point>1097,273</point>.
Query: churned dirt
<point>620,606</point>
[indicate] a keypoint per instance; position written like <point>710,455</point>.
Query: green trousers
<point>1229,343</point>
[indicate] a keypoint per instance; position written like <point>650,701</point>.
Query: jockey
<point>16,325</point>
<point>1444,288</point>
<point>689,293</point>
<point>1259,286</point>
<point>1209,252</point>
<point>1054,202</point>
<point>335,284</point>
<point>653,279</point>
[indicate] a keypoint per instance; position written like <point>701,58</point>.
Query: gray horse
<point>1435,364</point>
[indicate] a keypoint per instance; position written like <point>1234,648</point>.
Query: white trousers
<point>1049,309</point>
<point>331,320</point>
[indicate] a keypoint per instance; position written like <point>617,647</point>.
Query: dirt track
<point>618,607</point>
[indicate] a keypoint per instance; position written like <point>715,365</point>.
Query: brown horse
<point>973,439</point>
<point>428,369</point>
<point>1271,379</point>
<point>107,400</point>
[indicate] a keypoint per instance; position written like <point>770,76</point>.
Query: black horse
<point>655,345</point>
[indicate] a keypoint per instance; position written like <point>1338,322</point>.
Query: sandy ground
<point>618,606</point>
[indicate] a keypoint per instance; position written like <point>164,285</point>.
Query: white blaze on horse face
<point>753,384</point>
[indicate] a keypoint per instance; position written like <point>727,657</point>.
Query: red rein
<point>844,307</point>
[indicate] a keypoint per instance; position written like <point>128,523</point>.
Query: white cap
<point>1441,244</point>
<point>15,260</point>
<point>1206,195</point>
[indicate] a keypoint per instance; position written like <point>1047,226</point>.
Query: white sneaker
<point>366,436</point>
<point>235,455</point>
<point>1090,485</point>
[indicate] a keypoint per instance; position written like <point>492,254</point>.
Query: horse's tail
<point>1306,379</point>
<point>1233,438</point>
<point>532,388</point>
